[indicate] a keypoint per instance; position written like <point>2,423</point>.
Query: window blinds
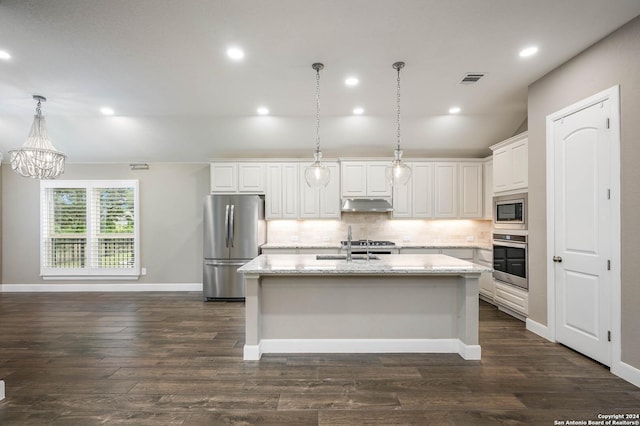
<point>89,228</point>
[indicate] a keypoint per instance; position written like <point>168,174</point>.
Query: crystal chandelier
<point>398,173</point>
<point>317,174</point>
<point>37,158</point>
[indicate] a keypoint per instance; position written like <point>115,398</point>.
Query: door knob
<point>557,259</point>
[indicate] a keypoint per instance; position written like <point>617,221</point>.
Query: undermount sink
<point>344,257</point>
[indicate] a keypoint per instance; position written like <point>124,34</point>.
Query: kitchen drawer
<point>511,297</point>
<point>464,254</point>
<point>485,256</point>
<point>418,250</point>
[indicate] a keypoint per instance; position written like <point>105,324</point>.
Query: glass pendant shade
<point>37,158</point>
<point>399,173</point>
<point>317,174</point>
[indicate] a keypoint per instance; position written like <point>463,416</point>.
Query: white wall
<point>171,197</point>
<point>614,60</point>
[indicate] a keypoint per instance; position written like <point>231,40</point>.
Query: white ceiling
<point>161,65</point>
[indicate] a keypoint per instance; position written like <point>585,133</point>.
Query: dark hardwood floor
<point>169,358</point>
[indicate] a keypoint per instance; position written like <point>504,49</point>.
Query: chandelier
<point>37,158</point>
<point>398,173</point>
<point>317,174</point>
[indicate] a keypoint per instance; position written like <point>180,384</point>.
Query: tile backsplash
<point>380,227</point>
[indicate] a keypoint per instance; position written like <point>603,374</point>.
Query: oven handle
<point>509,244</point>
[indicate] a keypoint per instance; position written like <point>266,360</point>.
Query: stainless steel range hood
<point>366,205</point>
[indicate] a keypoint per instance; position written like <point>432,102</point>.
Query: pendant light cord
<point>398,66</point>
<point>317,67</point>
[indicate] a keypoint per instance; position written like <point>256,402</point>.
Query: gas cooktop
<point>371,243</point>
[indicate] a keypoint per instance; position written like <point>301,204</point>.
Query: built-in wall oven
<point>510,259</point>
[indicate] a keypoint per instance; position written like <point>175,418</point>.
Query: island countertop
<point>388,264</point>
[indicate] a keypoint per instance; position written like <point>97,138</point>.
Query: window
<point>89,229</point>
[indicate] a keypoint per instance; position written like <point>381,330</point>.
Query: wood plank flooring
<point>169,358</point>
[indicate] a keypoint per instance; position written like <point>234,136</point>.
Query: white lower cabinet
<point>513,298</point>
<point>485,258</point>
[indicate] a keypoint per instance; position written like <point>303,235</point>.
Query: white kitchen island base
<point>398,304</point>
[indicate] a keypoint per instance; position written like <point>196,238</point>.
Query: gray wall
<point>614,60</point>
<point>170,220</point>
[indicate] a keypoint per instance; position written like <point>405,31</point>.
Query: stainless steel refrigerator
<point>234,230</point>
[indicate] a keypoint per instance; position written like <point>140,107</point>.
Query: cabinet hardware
<point>557,259</point>
<point>608,336</point>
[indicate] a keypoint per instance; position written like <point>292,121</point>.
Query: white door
<point>582,231</point>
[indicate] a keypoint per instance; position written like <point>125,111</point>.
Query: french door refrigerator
<point>234,230</point>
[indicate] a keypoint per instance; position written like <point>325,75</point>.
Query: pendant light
<point>398,173</point>
<point>317,174</point>
<point>37,158</point>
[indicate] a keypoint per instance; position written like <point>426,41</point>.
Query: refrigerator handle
<point>231,226</point>
<point>226,225</point>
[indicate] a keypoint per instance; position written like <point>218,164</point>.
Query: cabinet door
<point>224,177</point>
<point>330,195</point>
<point>520,164</point>
<point>251,177</point>
<point>273,192</point>
<point>446,190</point>
<point>402,198</point>
<point>354,179</point>
<point>502,169</point>
<point>470,190</point>
<point>488,190</point>
<point>377,183</point>
<point>309,197</point>
<point>289,188</point>
<point>422,190</point>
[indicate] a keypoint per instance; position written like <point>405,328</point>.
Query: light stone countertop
<point>387,264</point>
<point>329,245</point>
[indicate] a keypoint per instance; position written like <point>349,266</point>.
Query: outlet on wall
<point>406,238</point>
<point>470,238</point>
<point>143,271</point>
<point>294,238</point>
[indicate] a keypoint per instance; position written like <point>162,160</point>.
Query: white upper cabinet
<point>323,203</point>
<point>446,190</point>
<point>365,179</point>
<point>441,190</point>
<point>281,192</point>
<point>415,199</point>
<point>511,164</point>
<point>488,188</point>
<point>471,194</point>
<point>232,177</point>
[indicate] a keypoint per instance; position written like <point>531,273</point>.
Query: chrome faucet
<point>349,243</point>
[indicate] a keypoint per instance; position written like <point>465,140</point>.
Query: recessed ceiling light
<point>358,111</point>
<point>5,55</point>
<point>235,53</point>
<point>107,111</point>
<point>262,110</point>
<point>529,51</point>
<point>454,110</point>
<point>352,81</point>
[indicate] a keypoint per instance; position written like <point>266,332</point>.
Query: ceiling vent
<point>472,77</point>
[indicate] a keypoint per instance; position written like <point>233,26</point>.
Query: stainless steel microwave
<point>510,211</point>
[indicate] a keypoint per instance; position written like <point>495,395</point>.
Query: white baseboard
<point>53,288</point>
<point>627,372</point>
<point>292,346</point>
<point>1,390</point>
<point>539,329</point>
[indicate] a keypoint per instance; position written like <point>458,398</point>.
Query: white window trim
<point>88,273</point>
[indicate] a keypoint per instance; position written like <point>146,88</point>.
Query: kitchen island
<point>392,303</point>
